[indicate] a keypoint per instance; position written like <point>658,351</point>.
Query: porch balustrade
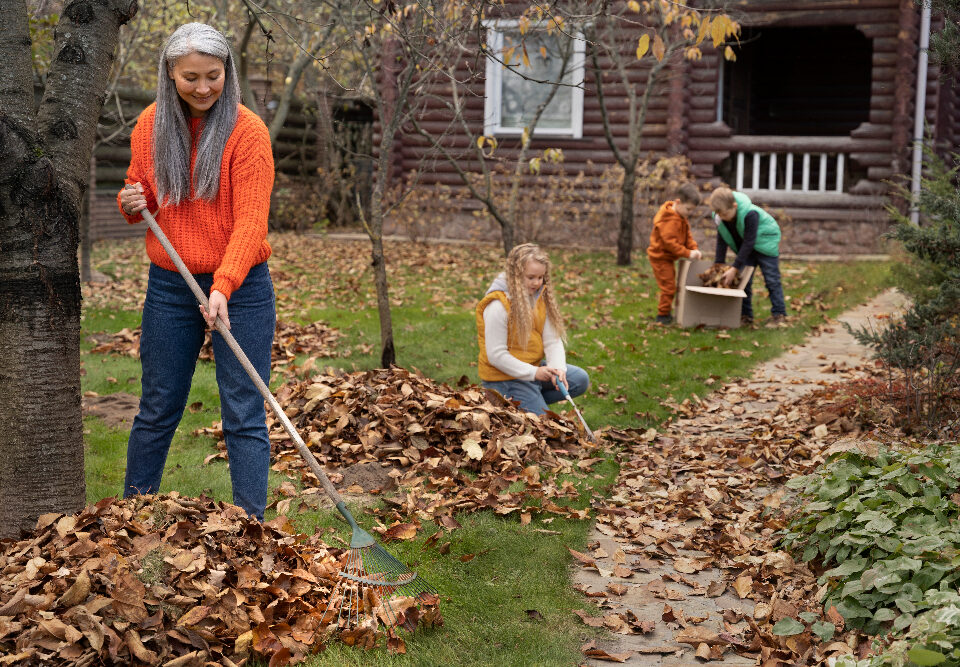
<point>790,164</point>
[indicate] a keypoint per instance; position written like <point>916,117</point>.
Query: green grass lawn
<point>489,603</point>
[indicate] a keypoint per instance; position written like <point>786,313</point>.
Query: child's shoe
<point>664,319</point>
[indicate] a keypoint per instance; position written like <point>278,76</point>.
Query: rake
<point>566,395</point>
<point>368,565</point>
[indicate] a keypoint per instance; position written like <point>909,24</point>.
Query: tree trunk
<point>86,274</point>
<point>388,355</point>
<point>625,238</point>
<point>46,162</point>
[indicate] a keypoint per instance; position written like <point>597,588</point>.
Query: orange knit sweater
<point>225,236</point>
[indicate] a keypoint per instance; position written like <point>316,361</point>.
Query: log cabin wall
<point>839,211</point>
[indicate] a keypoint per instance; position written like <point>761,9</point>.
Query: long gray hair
<point>171,131</point>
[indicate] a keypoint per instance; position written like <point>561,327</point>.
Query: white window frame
<point>494,87</point>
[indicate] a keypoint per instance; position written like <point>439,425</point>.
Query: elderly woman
<point>203,162</point>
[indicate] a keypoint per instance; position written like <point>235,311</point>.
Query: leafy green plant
<point>885,531</point>
<point>933,638</point>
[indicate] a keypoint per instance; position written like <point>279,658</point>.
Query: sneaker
<point>746,321</point>
<point>777,321</point>
<point>664,319</point>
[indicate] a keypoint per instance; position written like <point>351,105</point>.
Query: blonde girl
<point>520,334</point>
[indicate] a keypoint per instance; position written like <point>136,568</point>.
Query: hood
<point>499,284</point>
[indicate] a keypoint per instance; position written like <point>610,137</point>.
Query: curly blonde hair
<point>520,322</point>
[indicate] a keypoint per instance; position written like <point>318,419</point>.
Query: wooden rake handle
<point>245,362</point>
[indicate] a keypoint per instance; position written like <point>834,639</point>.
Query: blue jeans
<point>770,268</point>
<point>535,395</point>
<point>173,332</point>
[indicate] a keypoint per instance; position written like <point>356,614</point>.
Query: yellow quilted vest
<point>533,352</point>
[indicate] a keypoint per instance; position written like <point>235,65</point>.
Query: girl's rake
<point>368,565</point>
<point>566,395</point>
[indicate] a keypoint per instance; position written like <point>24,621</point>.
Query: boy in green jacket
<point>754,235</point>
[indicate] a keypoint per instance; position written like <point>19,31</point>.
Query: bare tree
<point>395,50</point>
<point>620,40</point>
<point>547,41</point>
<point>42,178</point>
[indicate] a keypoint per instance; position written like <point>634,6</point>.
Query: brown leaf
<point>696,635</point>
<point>743,586</point>
<point>403,531</point>
<point>592,621</point>
<point>591,650</point>
<point>77,593</point>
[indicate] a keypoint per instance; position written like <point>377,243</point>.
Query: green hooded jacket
<point>768,231</point>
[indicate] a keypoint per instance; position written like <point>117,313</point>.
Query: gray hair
<point>171,131</point>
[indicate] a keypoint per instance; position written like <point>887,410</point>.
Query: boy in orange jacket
<point>669,241</point>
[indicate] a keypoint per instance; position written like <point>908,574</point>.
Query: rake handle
<point>566,395</point>
<point>248,367</point>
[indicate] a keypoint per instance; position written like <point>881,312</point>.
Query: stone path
<point>779,381</point>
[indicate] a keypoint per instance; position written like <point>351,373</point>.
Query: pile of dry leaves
<point>316,340</point>
<point>448,450</point>
<point>176,581</point>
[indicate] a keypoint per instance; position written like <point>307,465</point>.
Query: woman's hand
<point>133,200</point>
<point>218,308</point>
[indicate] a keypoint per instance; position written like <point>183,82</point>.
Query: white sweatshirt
<point>495,336</point>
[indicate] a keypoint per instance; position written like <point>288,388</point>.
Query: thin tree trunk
<point>625,238</point>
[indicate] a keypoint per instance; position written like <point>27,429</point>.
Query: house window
<point>514,94</point>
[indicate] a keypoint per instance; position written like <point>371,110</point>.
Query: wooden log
<point>871,131</point>
<point>707,157</point>
<point>700,116</point>
<point>876,159</point>
<point>788,144</point>
<point>880,173</point>
<point>119,154</point>
<point>712,129</point>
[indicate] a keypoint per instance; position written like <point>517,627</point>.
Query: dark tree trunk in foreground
<point>43,175</point>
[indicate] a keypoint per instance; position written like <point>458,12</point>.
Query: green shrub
<point>885,531</point>
<point>925,345</point>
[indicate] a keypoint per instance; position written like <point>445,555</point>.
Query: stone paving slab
<point>798,371</point>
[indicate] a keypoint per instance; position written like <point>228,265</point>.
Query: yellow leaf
<point>718,30</point>
<point>704,30</point>
<point>659,48</point>
<point>643,45</point>
<point>526,58</point>
<point>634,6</point>
<point>543,52</point>
<point>480,141</point>
<point>535,165</point>
<point>729,54</point>
<point>508,55</point>
<point>525,137</point>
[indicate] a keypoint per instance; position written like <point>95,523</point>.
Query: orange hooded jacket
<point>670,239</point>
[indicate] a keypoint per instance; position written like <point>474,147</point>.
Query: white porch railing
<point>790,164</point>
<point>762,171</point>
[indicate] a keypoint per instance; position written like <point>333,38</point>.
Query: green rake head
<point>372,569</point>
